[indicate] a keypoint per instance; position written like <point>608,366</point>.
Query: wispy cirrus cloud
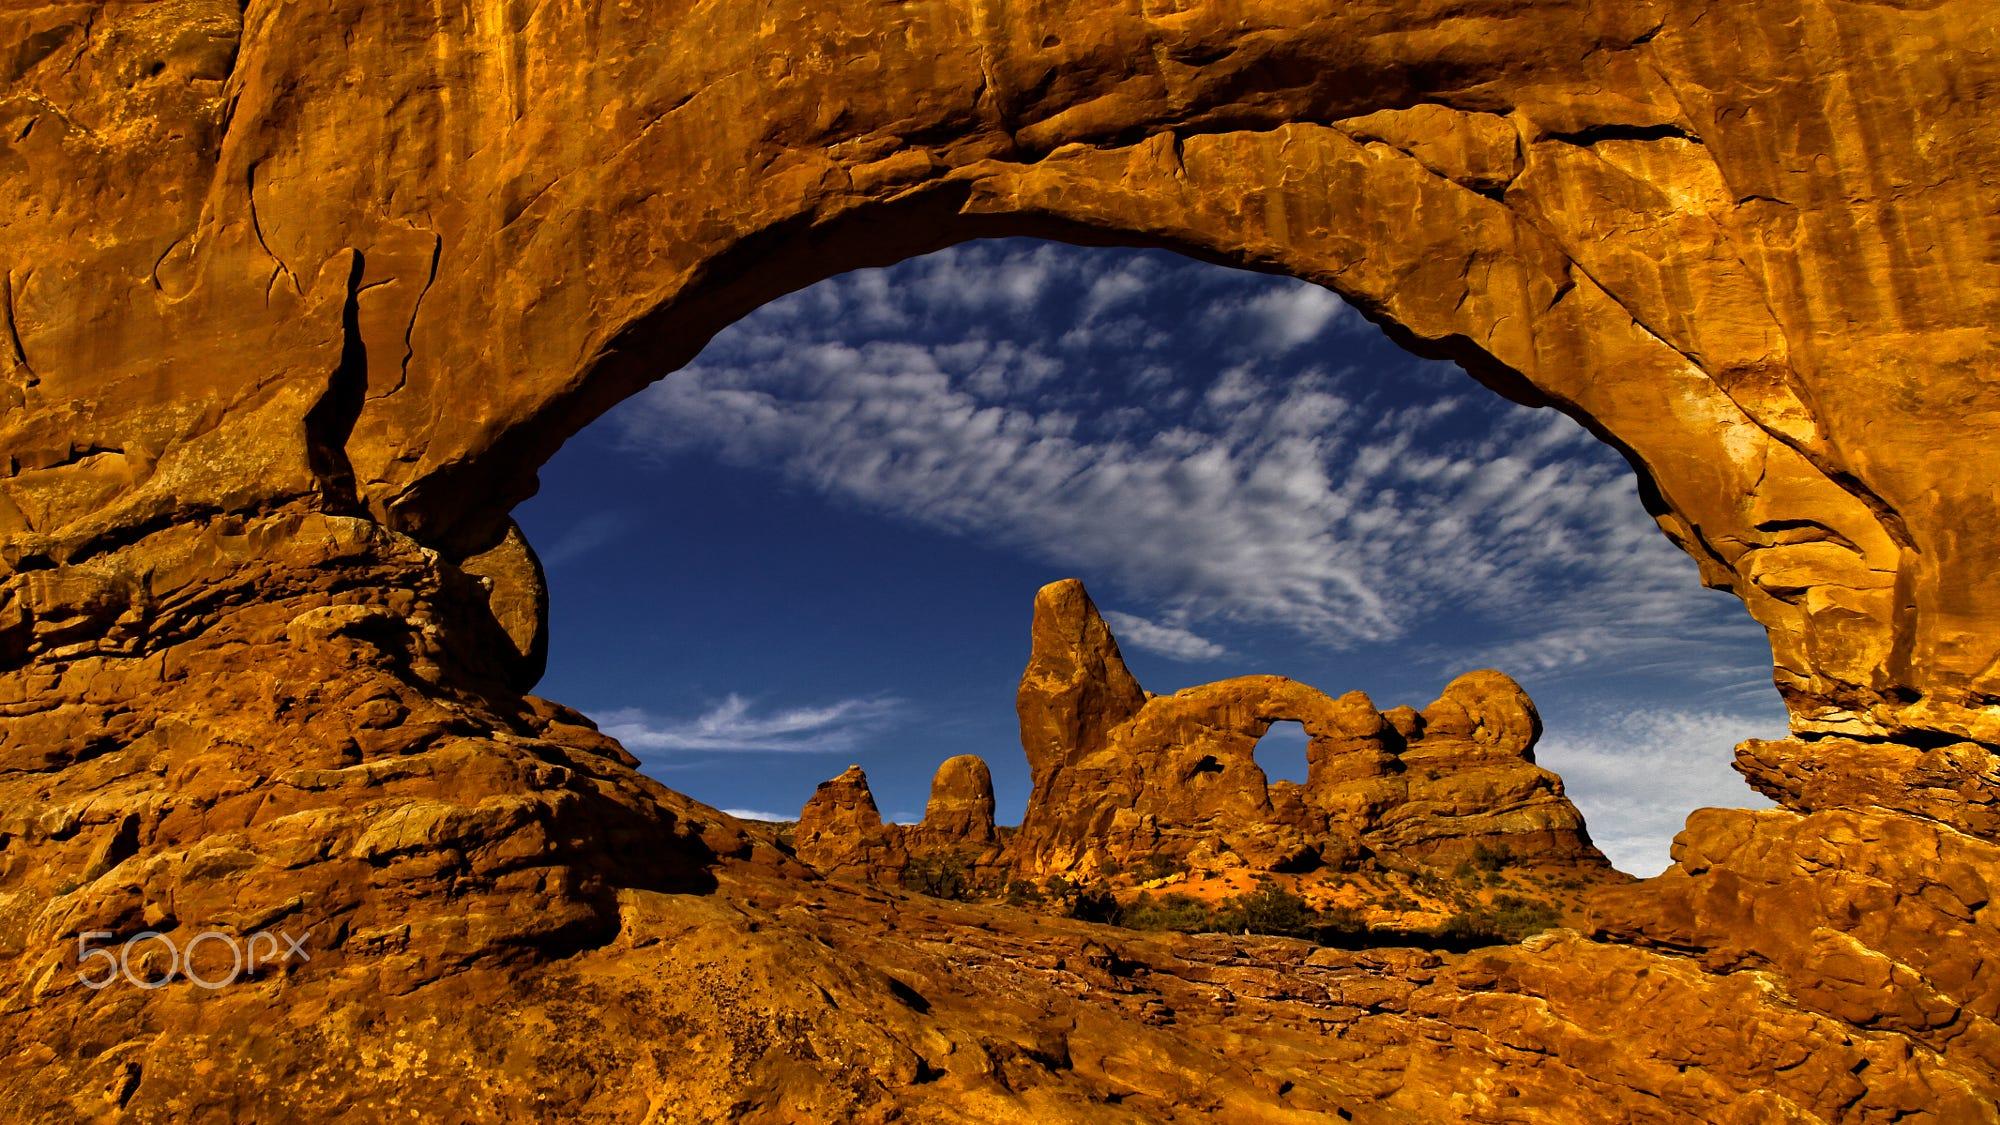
<point>734,725</point>
<point>1174,642</point>
<point>760,814</point>
<point>1283,489</point>
<point>586,536</point>
<point>1236,462</point>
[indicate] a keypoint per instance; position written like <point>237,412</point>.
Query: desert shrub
<point>939,875</point>
<point>1092,903</point>
<point>1341,921</point>
<point>1510,918</point>
<point>1464,872</point>
<point>1516,917</point>
<point>1429,881</point>
<point>1470,926</point>
<point>1274,910</point>
<point>1177,912</point>
<point>1023,892</point>
<point>1492,858</point>
<point>1270,909</point>
<point>1156,867</point>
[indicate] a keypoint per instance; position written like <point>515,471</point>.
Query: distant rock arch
<point>1120,773</point>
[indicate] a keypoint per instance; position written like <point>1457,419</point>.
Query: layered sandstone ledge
<point>286,330</point>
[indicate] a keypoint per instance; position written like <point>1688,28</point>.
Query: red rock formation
<point>1470,780</point>
<point>841,832</point>
<point>960,810</point>
<point>1076,688</point>
<point>1177,772</point>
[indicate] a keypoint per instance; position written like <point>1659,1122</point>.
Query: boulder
<point>841,831</point>
<point>961,803</point>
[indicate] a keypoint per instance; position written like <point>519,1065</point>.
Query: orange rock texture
<point>1121,774</point>
<point>841,832</point>
<point>295,299</point>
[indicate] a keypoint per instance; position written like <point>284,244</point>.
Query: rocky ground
<point>505,920</point>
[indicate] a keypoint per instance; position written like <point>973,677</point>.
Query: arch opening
<point>947,416</point>
<point>1281,753</point>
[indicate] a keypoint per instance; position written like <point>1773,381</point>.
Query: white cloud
<point>732,725</point>
<point>1275,493</point>
<point>586,536</point>
<point>1174,642</point>
<point>1119,286</point>
<point>1294,314</point>
<point>1278,492</point>
<point>1636,775</point>
<point>760,814</point>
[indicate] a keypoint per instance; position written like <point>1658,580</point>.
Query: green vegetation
<point>939,875</point>
<point>1024,892</point>
<point>1086,902</point>
<point>1510,918</point>
<point>1180,913</point>
<point>1274,910</point>
<point>1093,903</point>
<point>1426,879</point>
<point>1269,909</point>
<point>1492,858</point>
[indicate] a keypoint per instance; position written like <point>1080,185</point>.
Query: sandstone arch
<point>1121,774</point>
<point>287,330</point>
<point>1426,169</point>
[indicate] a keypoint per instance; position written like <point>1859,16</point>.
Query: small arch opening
<point>1281,753</point>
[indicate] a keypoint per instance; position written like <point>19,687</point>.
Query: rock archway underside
<point>298,296</point>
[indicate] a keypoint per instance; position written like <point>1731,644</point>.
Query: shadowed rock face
<point>280,348</point>
<point>1178,772</point>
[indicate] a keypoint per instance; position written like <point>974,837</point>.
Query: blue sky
<point>818,544</point>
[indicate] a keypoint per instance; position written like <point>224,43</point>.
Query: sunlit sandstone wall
<point>382,258</point>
